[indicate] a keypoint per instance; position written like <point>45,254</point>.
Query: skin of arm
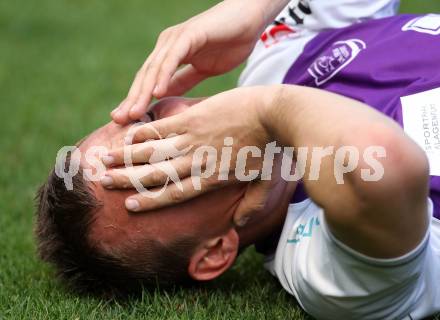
<point>271,8</point>
<point>364,215</point>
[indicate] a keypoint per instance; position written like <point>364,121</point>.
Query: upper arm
<point>392,210</point>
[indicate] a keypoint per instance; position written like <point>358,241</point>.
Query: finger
<point>159,129</point>
<point>150,80</point>
<point>151,151</point>
<point>168,195</point>
<point>147,175</point>
<point>121,113</point>
<point>253,201</point>
<point>160,45</point>
<point>172,61</point>
<point>184,80</point>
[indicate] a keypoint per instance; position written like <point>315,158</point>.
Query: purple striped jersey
<point>392,65</point>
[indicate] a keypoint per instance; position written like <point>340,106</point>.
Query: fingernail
<point>107,181</point>
<point>108,160</point>
<point>243,221</point>
<point>132,204</point>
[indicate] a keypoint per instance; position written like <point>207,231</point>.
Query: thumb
<point>184,80</point>
<point>254,200</point>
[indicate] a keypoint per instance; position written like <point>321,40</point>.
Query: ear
<point>214,256</point>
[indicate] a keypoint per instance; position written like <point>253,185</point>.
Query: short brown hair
<point>62,230</point>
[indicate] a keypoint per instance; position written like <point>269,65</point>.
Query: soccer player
<point>345,250</point>
<point>357,250</point>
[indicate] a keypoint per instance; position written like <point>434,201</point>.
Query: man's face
<point>204,218</point>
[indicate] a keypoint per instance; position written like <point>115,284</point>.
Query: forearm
<point>311,118</point>
<point>272,8</point>
<point>307,117</point>
<point>268,9</point>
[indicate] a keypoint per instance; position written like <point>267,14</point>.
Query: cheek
<point>114,204</point>
<point>165,224</point>
<point>205,216</point>
<point>116,198</point>
<point>215,210</point>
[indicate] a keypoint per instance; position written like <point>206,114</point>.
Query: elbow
<point>404,165</point>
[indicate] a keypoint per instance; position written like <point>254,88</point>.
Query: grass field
<point>63,66</point>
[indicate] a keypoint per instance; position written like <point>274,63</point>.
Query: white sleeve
<point>332,281</point>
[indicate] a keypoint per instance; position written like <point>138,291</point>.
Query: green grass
<point>63,66</point>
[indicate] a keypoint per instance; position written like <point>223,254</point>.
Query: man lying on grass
<point>88,234</point>
<point>361,249</point>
